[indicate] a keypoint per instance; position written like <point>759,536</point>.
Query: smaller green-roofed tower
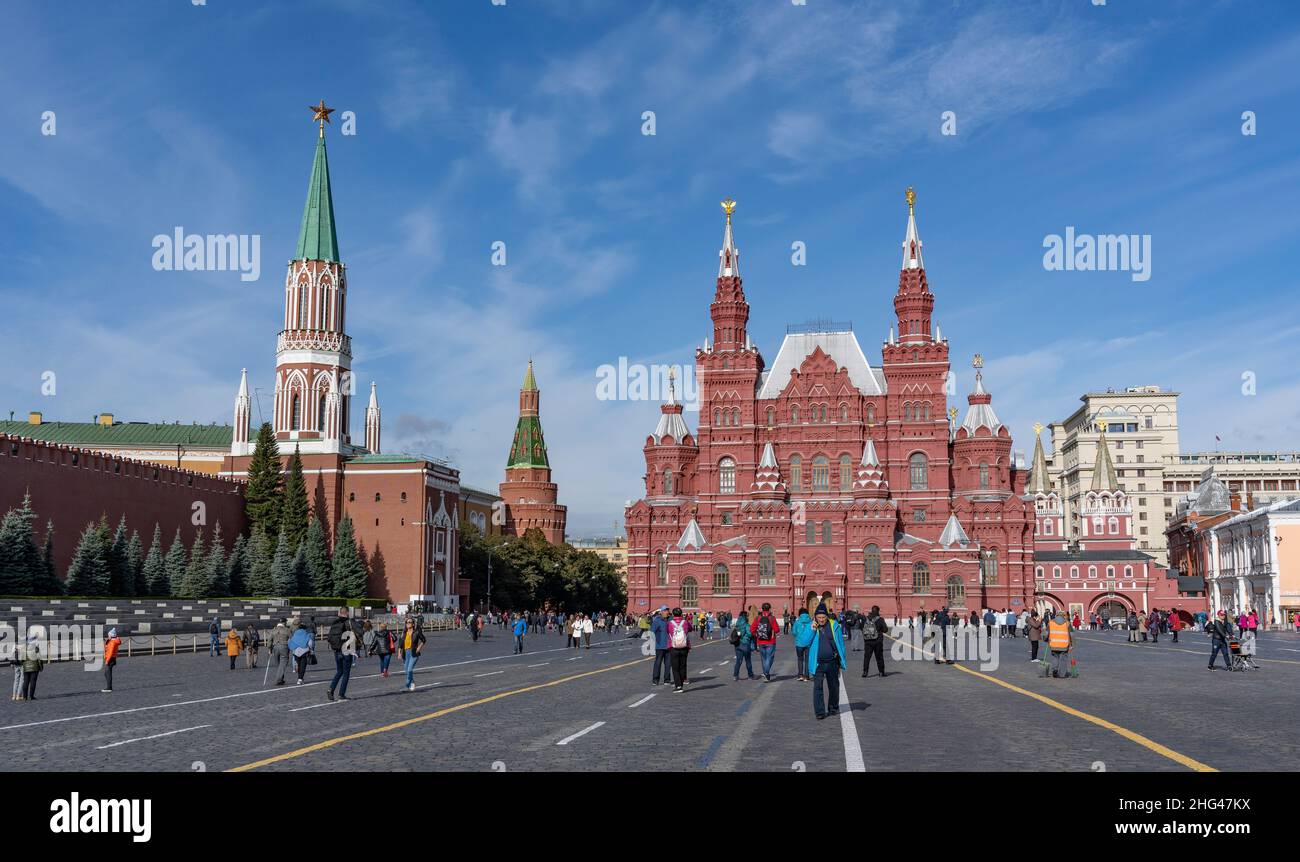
<point>529,494</point>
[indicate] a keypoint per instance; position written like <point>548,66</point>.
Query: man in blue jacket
<point>520,628</point>
<point>825,661</point>
<point>659,630</point>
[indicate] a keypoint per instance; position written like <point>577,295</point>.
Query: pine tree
<point>195,580</point>
<point>135,566</point>
<point>350,576</point>
<point>175,565</point>
<point>294,511</point>
<point>300,574</point>
<point>320,572</point>
<point>50,584</point>
<point>283,582</point>
<point>258,582</point>
<point>88,571</point>
<point>117,575</point>
<point>214,574</point>
<point>262,496</point>
<point>154,570</point>
<point>20,563</point>
<point>236,567</point>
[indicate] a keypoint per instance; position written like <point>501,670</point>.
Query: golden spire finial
<point>320,114</point>
<point>728,206</point>
<point>952,412</point>
<point>978,362</point>
<point>1038,428</point>
<point>911,200</point>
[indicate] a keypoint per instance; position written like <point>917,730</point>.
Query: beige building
<point>611,550</point>
<point>483,509</point>
<point>186,447</point>
<point>1141,425</point>
<point>1254,562</point>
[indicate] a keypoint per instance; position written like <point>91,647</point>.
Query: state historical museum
<point>822,472</point>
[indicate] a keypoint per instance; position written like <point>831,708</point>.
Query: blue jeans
<point>383,662</point>
<point>768,653</point>
<point>214,646</point>
<point>745,655</point>
<point>1227,654</point>
<point>411,659</point>
<point>519,643</point>
<point>342,671</point>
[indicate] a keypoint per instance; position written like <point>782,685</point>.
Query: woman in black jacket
<point>410,645</point>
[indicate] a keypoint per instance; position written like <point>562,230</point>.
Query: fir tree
<point>88,572</point>
<point>258,582</point>
<point>154,570</point>
<point>350,575</point>
<point>320,572</point>
<point>214,574</point>
<point>50,584</point>
<point>175,566</point>
<point>117,574</point>
<point>195,580</point>
<point>236,566</point>
<point>20,563</point>
<point>294,511</point>
<point>262,496</point>
<point>283,582</point>
<point>300,574</point>
<point>135,566</point>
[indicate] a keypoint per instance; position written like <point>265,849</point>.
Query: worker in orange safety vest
<point>1060,641</point>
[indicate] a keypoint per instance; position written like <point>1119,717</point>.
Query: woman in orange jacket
<point>111,646</point>
<point>232,645</point>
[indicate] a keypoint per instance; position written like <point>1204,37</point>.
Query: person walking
<point>1132,623</point>
<point>802,629</point>
<point>568,631</point>
<point>1060,640</point>
<point>252,641</point>
<point>411,645</point>
<point>679,648</point>
<point>1153,623</point>
<point>586,632</point>
<point>1175,623</point>
<point>1220,631</point>
<point>873,638</point>
<point>33,662</point>
<point>368,638</point>
<point>233,641</point>
<point>743,640</point>
<point>521,626</point>
<point>279,644</point>
<point>825,660</point>
<point>942,620</point>
<point>1034,630</point>
<point>111,646</point>
<point>302,645</point>
<point>342,640</point>
<point>765,630</point>
<point>214,638</point>
<point>16,659</point>
<point>659,633</point>
<point>1143,623</point>
<point>384,646</point>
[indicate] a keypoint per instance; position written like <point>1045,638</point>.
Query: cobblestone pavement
<point>479,707</point>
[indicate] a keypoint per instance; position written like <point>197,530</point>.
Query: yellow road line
<point>1199,652</point>
<point>398,725</point>
<point>1130,735</point>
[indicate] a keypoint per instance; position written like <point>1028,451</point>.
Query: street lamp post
<point>489,575</point>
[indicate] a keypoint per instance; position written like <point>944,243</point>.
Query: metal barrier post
<point>173,644</point>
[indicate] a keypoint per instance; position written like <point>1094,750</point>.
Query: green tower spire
<point>529,447</point>
<point>316,239</point>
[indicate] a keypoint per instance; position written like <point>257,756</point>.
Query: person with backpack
<point>214,638</point>
<point>342,640</point>
<point>410,646</point>
<point>384,646</point>
<point>521,626</point>
<point>252,641</point>
<point>825,660</point>
<point>873,636</point>
<point>1060,640</point>
<point>32,663</point>
<point>659,632</point>
<point>302,645</point>
<point>802,629</point>
<point>1132,627</point>
<point>679,648</point>
<point>743,640</point>
<point>765,629</point>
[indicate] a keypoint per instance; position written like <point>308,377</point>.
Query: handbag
<point>311,658</point>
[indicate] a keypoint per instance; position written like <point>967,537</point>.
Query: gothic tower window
<point>796,473</point>
<point>727,476</point>
<point>1112,525</point>
<point>794,414</point>
<point>735,417</point>
<point>918,464</point>
<point>846,473</point>
<point>717,416</point>
<point>920,578</point>
<point>295,418</point>
<point>771,416</point>
<point>989,567</point>
<point>871,414</point>
<point>925,411</point>
<point>907,412</point>
<point>826,532</point>
<point>668,481</point>
<point>871,565</point>
<point>721,580</point>
<point>844,413</point>
<point>320,414</point>
<point>662,573</point>
<point>984,474</point>
<point>810,533</point>
<point>690,593</point>
<point>302,306</point>
<point>766,566</point>
<point>821,473</point>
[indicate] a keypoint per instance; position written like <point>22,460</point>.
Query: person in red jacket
<point>111,646</point>
<point>764,628</point>
<point>1175,623</point>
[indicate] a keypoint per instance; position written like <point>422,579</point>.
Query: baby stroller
<point>1243,652</point>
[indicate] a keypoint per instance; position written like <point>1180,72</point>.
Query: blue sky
<point>478,123</point>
